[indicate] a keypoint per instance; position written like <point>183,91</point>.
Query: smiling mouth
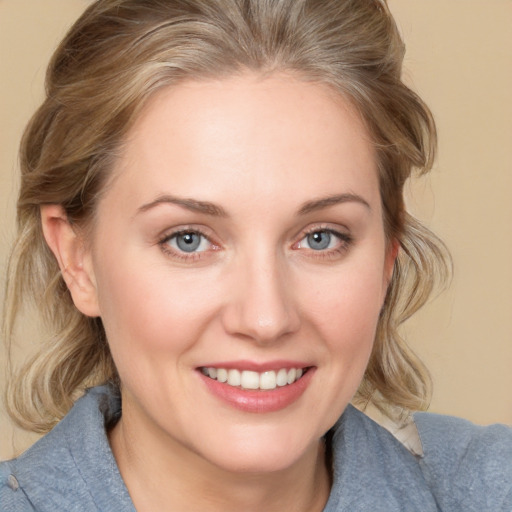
<point>251,380</point>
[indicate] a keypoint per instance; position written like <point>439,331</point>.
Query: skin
<point>266,152</point>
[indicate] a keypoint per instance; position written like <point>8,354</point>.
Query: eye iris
<point>188,242</point>
<point>319,240</point>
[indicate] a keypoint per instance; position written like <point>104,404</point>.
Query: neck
<point>169,478</point>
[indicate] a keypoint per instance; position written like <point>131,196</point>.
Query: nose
<point>261,304</point>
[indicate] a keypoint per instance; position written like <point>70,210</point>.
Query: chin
<point>263,455</point>
<point>256,463</point>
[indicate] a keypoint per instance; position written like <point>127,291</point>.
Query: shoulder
<point>468,467</point>
<point>373,470</point>
<point>461,467</point>
<point>44,475</point>
<point>10,497</point>
<point>71,468</point>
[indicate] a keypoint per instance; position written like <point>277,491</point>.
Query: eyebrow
<point>324,202</point>
<point>214,210</point>
<point>188,203</point>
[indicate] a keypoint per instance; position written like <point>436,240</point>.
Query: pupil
<point>319,240</point>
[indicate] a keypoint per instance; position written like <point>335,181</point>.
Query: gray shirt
<point>463,468</point>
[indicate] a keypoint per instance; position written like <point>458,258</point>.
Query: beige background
<point>460,60</point>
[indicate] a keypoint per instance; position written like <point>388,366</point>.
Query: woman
<point>211,219</point>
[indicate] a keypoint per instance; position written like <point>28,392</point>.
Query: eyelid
<point>340,231</point>
<point>185,228</point>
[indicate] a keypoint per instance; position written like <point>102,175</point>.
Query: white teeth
<point>250,380</point>
<point>268,380</point>
<point>282,377</point>
<point>253,380</point>
<point>222,375</point>
<point>292,373</point>
<point>234,378</point>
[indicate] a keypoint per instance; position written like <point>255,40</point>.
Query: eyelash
<point>345,240</point>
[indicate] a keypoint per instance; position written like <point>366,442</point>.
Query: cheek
<point>150,309</point>
<point>345,307</point>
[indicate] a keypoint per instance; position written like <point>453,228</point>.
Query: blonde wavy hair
<point>115,57</point>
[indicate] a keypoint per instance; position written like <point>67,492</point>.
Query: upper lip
<point>257,366</point>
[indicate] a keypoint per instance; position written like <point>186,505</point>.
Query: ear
<point>74,260</point>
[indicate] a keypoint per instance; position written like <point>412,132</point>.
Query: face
<point>239,266</point>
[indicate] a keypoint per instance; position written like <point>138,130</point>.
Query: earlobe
<point>393,246</point>
<point>392,254</point>
<point>72,257</point>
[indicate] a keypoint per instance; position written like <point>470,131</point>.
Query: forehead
<point>247,134</point>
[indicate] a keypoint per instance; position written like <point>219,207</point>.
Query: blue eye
<point>325,240</point>
<point>319,240</point>
<point>189,241</point>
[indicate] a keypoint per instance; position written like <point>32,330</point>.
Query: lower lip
<point>259,401</point>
